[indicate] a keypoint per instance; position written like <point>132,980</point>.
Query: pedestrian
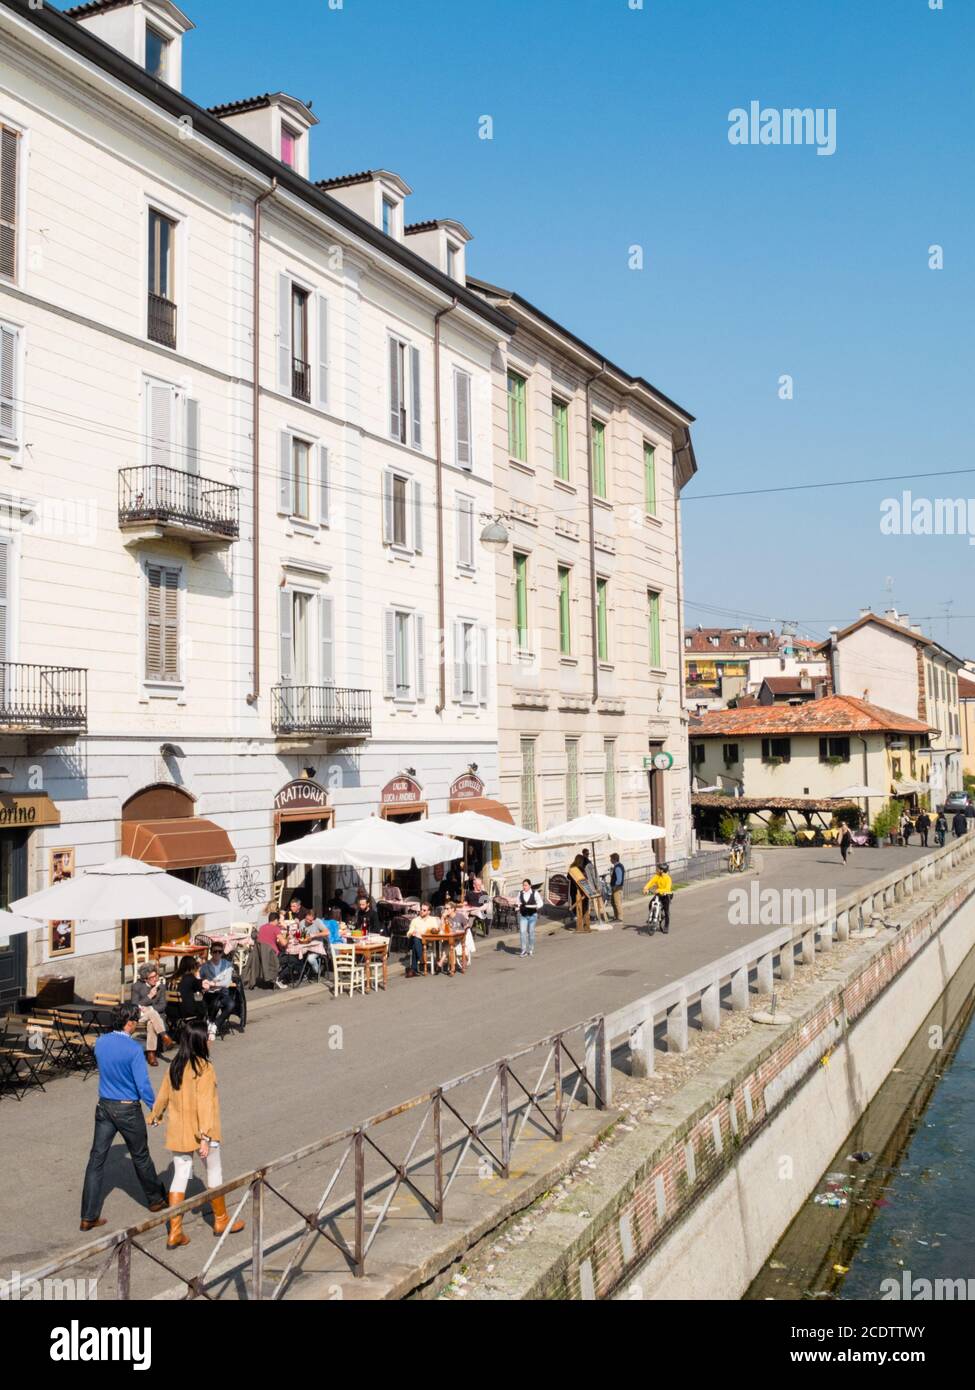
<point>529,906</point>
<point>959,824</point>
<point>941,829</point>
<point>189,1094</point>
<point>907,828</point>
<point>846,842</point>
<point>583,906</point>
<point>123,1088</point>
<point>923,827</point>
<point>149,995</point>
<point>617,878</point>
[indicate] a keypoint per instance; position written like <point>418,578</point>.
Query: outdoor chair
<point>140,953</point>
<point>505,907</point>
<point>21,1065</point>
<point>77,1040</point>
<point>375,967</point>
<point>348,974</point>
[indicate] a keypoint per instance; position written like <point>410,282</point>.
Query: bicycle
<point>736,859</point>
<point>655,914</point>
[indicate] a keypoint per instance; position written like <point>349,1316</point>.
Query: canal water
<point>895,1202</point>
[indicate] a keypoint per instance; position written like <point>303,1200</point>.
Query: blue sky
<point>611,128</point>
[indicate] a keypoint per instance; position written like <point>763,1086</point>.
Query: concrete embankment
<point>690,1203</point>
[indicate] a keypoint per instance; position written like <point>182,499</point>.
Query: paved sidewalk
<point>310,1064</point>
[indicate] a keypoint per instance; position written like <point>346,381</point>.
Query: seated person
<point>217,979</point>
<point>367,917</point>
<point>314,929</point>
<point>338,908</point>
<point>424,921</point>
<point>296,909</point>
<point>476,895</point>
<point>192,1003</point>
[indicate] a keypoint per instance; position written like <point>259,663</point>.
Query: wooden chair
<point>348,974</point>
<point>376,966</point>
<point>505,905</point>
<point>140,953</point>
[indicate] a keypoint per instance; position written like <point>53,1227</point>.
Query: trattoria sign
<point>301,795</point>
<point>27,809</point>
<point>467,786</point>
<point>401,791</point>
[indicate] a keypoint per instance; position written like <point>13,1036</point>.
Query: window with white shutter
<point>321,379</point>
<point>9,414</point>
<point>9,173</point>
<point>405,411</point>
<point>326,624</point>
<point>464,521</point>
<point>162,624</point>
<point>284,334</point>
<point>324,486</point>
<point>402,512</point>
<point>161,407</point>
<point>421,660</point>
<point>415,397</point>
<point>464,446</point>
<point>6,553</point>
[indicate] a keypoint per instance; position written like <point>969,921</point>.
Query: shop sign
<point>27,809</point>
<point>401,791</point>
<point>466,786</point>
<point>301,795</point>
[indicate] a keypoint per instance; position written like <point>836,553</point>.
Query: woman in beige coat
<point>189,1094</point>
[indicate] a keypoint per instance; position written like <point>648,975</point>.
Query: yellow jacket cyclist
<point>662,884</point>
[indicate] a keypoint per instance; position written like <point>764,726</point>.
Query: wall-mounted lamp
<point>495,535</point>
<point>170,750</point>
<point>308,772</point>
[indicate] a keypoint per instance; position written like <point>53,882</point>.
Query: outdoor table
<point>177,949</point>
<point>90,1015</point>
<point>450,939</point>
<point>369,946</point>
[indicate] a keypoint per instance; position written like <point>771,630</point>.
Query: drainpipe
<point>592,538</point>
<point>438,436</point>
<point>256,454</point>
<point>866,779</point>
<point>677,551</point>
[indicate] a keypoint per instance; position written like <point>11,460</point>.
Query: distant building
<point>722,664</point>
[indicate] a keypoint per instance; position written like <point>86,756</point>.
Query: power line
<point>836,482</point>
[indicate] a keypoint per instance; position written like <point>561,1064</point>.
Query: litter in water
<point>861,1156</point>
<point>829,1199</point>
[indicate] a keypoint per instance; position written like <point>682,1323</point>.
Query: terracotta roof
<point>831,715</point>
<point>966,688</point>
<point>746,702</point>
<point>788,685</point>
<point>95,7</point>
<point>707,801</point>
<point>701,640</point>
<point>231,108</point>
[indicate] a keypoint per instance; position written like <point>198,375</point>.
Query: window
<point>162,624</point>
<point>565,610</point>
<point>609,775</point>
<point>307,624</point>
<point>9,414</point>
<point>730,753</point>
<point>465,532</point>
<point>653,626</point>
<point>300,367</point>
<point>404,393</point>
<point>162,308</point>
<point>521,600</point>
<point>650,479</point>
<point>303,490</point>
<point>402,512</point>
<point>172,428</point>
<point>9,173</point>
<point>6,559</point>
<point>389,210</point>
<point>464,444</point>
<point>599,459</point>
<point>697,754</point>
<point>560,439</point>
<point>517,417</point>
<point>715,641</point>
<point>289,147</point>
<point>452,254</point>
<point>300,454</point>
<point>776,750</point>
<point>156,52</point>
<point>830,748</point>
<point>404,655</point>
<point>602,619</point>
<point>571,778</point>
<point>470,663</point>
<point>529,805</point>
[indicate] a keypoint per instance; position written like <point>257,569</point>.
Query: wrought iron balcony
<point>326,710</point>
<point>173,503</point>
<point>34,699</point>
<point>162,320</point>
<point>300,379</point>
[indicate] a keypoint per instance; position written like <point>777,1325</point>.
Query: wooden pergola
<point>742,806</point>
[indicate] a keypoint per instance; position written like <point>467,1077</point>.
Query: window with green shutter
<point>560,439</point>
<point>517,417</point>
<point>650,479</point>
<point>599,459</point>
<point>602,619</point>
<point>653,624</point>
<point>565,626</point>
<point>521,599</point>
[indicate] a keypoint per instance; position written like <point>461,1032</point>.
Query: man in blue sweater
<point>123,1088</point>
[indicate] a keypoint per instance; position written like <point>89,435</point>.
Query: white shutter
<point>396,391</point>
<point>326,622</point>
<point>284,334</point>
<point>162,409</point>
<point>389,652</point>
<point>4,599</point>
<point>162,623</point>
<point>417,492</point>
<point>286,477</point>
<point>465,532</point>
<point>458,660</point>
<point>170,624</point>
<point>9,151</point>
<point>286,635</point>
<point>462,418</point>
<point>192,430</point>
<point>388,507</point>
<point>324,486</point>
<point>154,644</point>
<point>421,658</point>
<point>415,395</point>
<point>322,374</point>
<point>482,665</point>
<point>8,383</point>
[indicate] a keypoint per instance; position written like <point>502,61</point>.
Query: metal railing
<point>511,1095</point>
<point>300,379</point>
<point>154,492</point>
<point>320,709</point>
<point>162,320</point>
<point>43,697</point>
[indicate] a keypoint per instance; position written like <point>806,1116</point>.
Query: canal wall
<point>691,1204</point>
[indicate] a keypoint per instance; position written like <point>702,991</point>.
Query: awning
<point>186,843</point>
<point>484,807</point>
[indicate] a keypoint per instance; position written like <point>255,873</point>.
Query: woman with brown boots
<point>189,1094</point>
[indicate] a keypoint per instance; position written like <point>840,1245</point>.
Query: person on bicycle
<point>663,885</point>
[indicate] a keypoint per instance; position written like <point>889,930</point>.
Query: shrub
<point>727,826</point>
<point>888,818</point>
<point>778,832</point>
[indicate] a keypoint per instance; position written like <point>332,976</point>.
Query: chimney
<point>865,612</point>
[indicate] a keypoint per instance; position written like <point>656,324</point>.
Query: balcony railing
<point>300,379</point>
<point>320,709</point>
<point>42,697</point>
<point>168,496</point>
<point>162,320</point>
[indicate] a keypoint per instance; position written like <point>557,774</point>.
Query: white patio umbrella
<point>13,926</point>
<point>472,825</point>
<point>594,829</point>
<point>124,889</point>
<point>851,793</point>
<point>372,843</point>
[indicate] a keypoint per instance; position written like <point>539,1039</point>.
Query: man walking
<point>617,877</point>
<point>959,824</point>
<point>123,1082</point>
<point>923,827</point>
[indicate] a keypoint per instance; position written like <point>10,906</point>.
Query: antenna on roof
<point>946,605</point>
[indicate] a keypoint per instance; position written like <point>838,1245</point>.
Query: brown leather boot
<point>152,1059</point>
<point>176,1236</point>
<point>221,1217</point>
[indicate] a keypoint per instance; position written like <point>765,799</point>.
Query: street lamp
<point>495,535</point>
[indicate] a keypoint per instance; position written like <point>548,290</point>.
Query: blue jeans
<point>122,1117</point>
<point>526,930</point>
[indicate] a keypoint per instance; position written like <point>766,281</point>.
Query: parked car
<point>956,801</point>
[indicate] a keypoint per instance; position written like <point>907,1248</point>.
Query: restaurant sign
<point>301,795</point>
<point>467,786</point>
<point>401,791</point>
<point>27,809</point>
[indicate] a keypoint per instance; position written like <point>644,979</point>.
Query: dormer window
<point>289,146</point>
<point>452,254</point>
<point>157,46</point>
<point>389,211</point>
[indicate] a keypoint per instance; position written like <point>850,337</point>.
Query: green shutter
<point>653,605</point>
<point>650,479</point>
<point>599,458</point>
<point>602,632</point>
<point>517,422</point>
<point>560,439</point>
<point>565,629</point>
<point>521,599</point>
